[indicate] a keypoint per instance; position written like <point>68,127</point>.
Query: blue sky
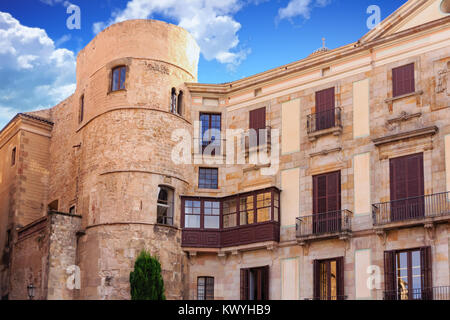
<point>238,38</point>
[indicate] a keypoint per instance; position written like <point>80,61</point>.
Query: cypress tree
<point>146,282</point>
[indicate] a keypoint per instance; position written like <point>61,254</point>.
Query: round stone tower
<point>124,128</point>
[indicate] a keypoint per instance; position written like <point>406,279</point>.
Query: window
<point>118,78</point>
<point>408,274</point>
<point>255,283</point>
<point>205,288</point>
<point>180,103</point>
<point>208,178</point>
<point>192,213</point>
<point>210,125</point>
<point>229,213</point>
<point>81,114</point>
<point>13,157</point>
<point>247,210</point>
<point>325,105</point>
<point>165,205</point>
<point>327,202</point>
<point>329,279</point>
<point>258,123</point>
<point>173,101</point>
<point>72,210</point>
<point>407,187</point>
<point>403,80</point>
<point>202,214</point>
<point>211,213</point>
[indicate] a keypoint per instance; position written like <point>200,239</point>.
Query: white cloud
<point>301,8</point>
<point>33,71</point>
<point>211,22</point>
<point>54,2</point>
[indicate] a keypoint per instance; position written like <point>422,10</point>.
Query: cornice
<point>316,62</point>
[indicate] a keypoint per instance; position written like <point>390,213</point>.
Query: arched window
<point>118,78</point>
<point>180,103</point>
<point>165,205</point>
<point>173,101</point>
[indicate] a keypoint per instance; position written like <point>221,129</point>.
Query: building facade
<point>327,178</point>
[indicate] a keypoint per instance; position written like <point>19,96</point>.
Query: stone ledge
<point>325,152</point>
<point>428,131</point>
<point>411,94</point>
<point>336,131</point>
<point>404,117</point>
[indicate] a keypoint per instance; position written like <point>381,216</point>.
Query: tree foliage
<point>146,281</point>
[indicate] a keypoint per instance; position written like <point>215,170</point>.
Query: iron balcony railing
<point>435,293</point>
<point>422,207</point>
<point>323,223</point>
<point>324,120</point>
<point>329,298</point>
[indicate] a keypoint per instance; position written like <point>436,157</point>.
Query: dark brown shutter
<point>316,279</point>
<point>340,278</point>
<point>265,284</point>
<point>258,119</point>
<point>258,122</point>
<point>389,275</point>
<point>325,100</point>
<point>427,276</point>
<point>244,284</point>
<point>403,80</point>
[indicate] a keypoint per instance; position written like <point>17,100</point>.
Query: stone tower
<point>122,150</point>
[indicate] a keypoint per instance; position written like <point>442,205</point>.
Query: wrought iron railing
<point>421,207</point>
<point>329,298</point>
<point>324,120</point>
<point>435,293</point>
<point>322,223</point>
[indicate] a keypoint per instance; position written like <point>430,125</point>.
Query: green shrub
<point>146,281</point>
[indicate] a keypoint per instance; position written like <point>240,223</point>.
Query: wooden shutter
<point>427,276</point>
<point>340,278</point>
<point>265,284</point>
<point>403,80</point>
<point>244,283</point>
<point>325,100</point>
<point>407,181</point>
<point>325,105</point>
<point>389,275</point>
<point>316,279</point>
<point>327,192</point>
<point>258,119</point>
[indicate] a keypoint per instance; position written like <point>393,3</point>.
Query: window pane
<point>115,81</point>
<point>191,221</point>
<point>212,222</point>
<point>122,77</point>
<point>333,280</point>
<point>208,178</point>
<point>402,275</point>
<point>264,214</point>
<point>247,210</point>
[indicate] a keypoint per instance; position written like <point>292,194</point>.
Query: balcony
<point>324,123</point>
<point>435,293</point>
<point>344,297</point>
<point>333,224</point>
<point>233,221</point>
<point>422,210</point>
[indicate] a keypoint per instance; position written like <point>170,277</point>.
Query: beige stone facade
<point>84,193</point>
